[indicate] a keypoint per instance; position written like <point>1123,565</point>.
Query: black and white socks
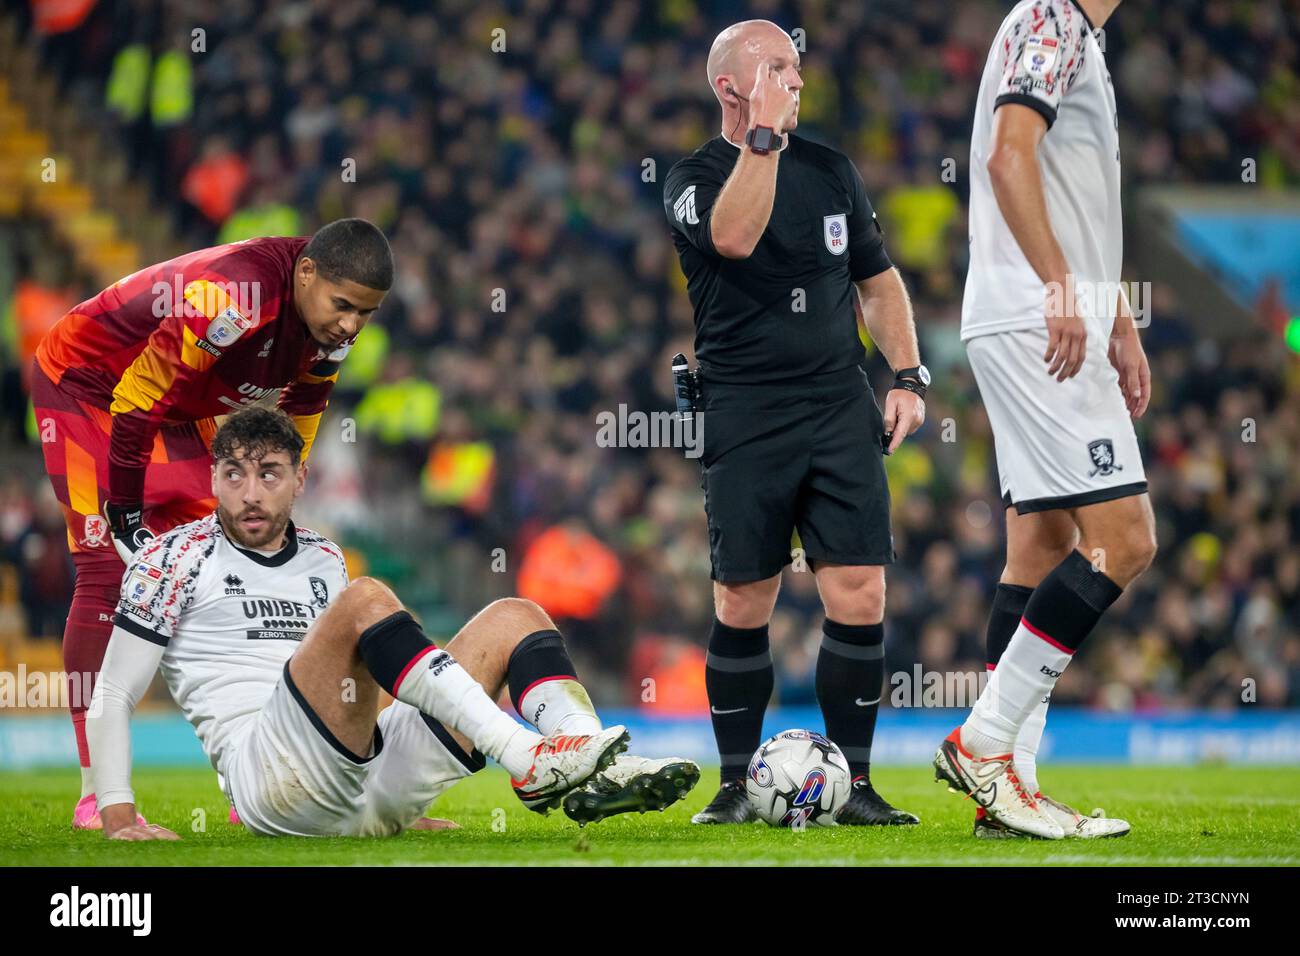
<point>409,666</point>
<point>1004,617</point>
<point>1060,613</point>
<point>544,687</point>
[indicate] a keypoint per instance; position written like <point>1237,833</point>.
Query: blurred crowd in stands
<point>518,176</point>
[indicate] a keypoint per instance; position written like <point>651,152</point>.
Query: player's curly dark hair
<point>257,432</point>
<point>352,249</point>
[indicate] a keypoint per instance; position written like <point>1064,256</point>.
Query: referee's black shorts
<point>804,458</point>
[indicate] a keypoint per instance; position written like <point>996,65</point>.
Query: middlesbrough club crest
<point>1102,453</point>
<point>95,532</point>
<point>320,592</point>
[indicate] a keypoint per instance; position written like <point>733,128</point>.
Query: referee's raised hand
<point>772,103</point>
<point>904,414</point>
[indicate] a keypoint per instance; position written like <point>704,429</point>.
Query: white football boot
<point>632,783</point>
<point>564,761</point>
<point>1075,824</point>
<point>992,783</point>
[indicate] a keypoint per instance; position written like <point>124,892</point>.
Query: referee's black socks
<point>739,678</point>
<point>850,675</point>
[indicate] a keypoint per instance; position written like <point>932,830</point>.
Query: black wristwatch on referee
<point>915,379</point>
<point>763,140</point>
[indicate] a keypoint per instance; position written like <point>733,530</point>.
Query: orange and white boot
<point>565,761</point>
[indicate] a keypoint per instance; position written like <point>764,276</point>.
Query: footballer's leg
<point>544,689</point>
<point>71,448</point>
<point>376,633</point>
<point>850,675</point>
<point>1036,543</point>
<point>517,649</point>
<point>513,649</point>
<point>739,678</point>
<point>1116,543</point>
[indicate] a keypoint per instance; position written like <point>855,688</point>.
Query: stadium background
<point>173,126</point>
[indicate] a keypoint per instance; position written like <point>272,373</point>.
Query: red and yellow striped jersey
<point>197,336</point>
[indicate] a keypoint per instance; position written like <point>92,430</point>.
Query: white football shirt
<point>228,618</point>
<point>1047,57</point>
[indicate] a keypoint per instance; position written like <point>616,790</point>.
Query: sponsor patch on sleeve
<point>227,327</point>
<point>143,583</point>
<point>1040,55</point>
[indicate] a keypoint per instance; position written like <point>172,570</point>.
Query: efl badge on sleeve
<point>1040,54</point>
<point>142,584</point>
<point>227,327</point>
<point>835,232</point>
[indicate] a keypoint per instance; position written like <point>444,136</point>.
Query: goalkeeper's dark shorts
<point>803,459</point>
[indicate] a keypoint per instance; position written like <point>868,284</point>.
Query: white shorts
<point>289,776</point>
<point>1059,444</point>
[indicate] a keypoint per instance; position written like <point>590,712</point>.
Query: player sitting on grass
<point>278,663</point>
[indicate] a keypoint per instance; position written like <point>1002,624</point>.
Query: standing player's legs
<point>75,442</point>
<point>1116,544</point>
<point>1063,447</point>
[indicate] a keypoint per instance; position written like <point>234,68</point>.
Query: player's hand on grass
<point>121,822</point>
<point>136,832</point>
<point>1130,361</point>
<point>771,103</point>
<point>904,414</point>
<point>432,823</point>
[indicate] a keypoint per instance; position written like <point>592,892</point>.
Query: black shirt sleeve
<point>867,255</point>
<point>690,190</point>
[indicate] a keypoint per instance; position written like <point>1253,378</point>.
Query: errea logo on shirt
<point>684,207</point>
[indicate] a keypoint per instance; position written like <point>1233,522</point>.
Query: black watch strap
<point>909,384</point>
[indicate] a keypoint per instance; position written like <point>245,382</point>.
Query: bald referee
<point>783,258</point>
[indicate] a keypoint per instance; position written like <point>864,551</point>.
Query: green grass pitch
<point>1209,815</point>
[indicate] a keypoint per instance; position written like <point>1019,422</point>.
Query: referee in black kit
<point>783,257</point>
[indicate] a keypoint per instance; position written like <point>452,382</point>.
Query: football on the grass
<point>798,778</point>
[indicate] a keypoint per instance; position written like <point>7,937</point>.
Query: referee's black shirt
<point>822,236</point>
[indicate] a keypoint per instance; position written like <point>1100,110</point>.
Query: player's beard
<point>269,535</point>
